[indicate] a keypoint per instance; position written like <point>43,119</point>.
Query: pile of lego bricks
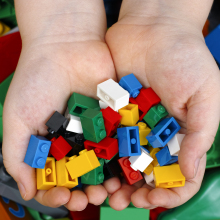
<point>128,127</point>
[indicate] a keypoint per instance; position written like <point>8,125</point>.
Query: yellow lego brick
<point>46,178</point>
<point>3,29</point>
<point>149,169</point>
<point>143,132</point>
<point>63,177</point>
<point>130,114</point>
<point>153,152</point>
<point>85,162</point>
<point>168,176</point>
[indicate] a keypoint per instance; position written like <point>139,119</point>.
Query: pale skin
<point>68,50</point>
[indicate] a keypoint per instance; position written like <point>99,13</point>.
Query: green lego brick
<point>11,2</point>
<point>77,104</point>
<point>130,213</point>
<point>154,115</point>
<point>7,13</point>
<point>213,155</point>
<point>106,161</point>
<point>35,214</point>
<point>93,125</point>
<point>95,176</point>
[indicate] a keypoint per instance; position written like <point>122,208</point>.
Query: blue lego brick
<point>213,43</point>
<point>37,152</point>
<point>128,141</point>
<point>163,132</point>
<point>131,84</point>
<point>164,157</point>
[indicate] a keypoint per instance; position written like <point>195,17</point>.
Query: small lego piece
<point>168,176</point>
<point>154,115</point>
<point>85,162</point>
<point>130,175</point>
<point>102,104</point>
<point>128,141</point>
<point>141,111</point>
<point>78,103</point>
<point>59,147</point>
<point>147,99</point>
<point>63,177</point>
<point>94,177</point>
<point>164,157</point>
<point>141,162</point>
<point>175,143</point>
<point>106,148</point>
<point>93,125</point>
<point>3,29</point>
<point>143,132</point>
<point>163,132</point>
<point>130,114</point>
<point>37,151</point>
<point>131,84</point>
<point>149,179</point>
<point>55,122</point>
<point>74,125</point>
<point>46,178</point>
<point>112,94</point>
<point>111,120</point>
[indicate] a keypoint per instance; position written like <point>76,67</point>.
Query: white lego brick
<point>102,104</point>
<point>74,125</point>
<point>113,94</point>
<point>141,162</point>
<point>175,143</point>
<point>149,179</point>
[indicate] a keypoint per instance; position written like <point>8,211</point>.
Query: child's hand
<point>52,66</point>
<point>167,52</point>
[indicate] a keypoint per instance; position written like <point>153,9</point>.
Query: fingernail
<point>22,190</point>
<point>196,166</point>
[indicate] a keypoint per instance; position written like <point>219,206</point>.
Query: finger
<point>112,185</point>
<point>54,197</point>
<point>78,201</point>
<point>96,194</point>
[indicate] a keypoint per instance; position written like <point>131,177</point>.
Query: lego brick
<point>37,151</point>
<point>143,132</point>
<point>130,175</point>
<point>13,211</point>
<point>155,115</point>
<point>175,143</point>
<point>59,147</point>
<point>77,143</point>
<point>141,111</point>
<point>213,43</point>
<point>128,141</point>
<point>149,179</point>
<point>74,125</point>
<point>163,132</point>
<point>111,120</point>
<point>130,114</point>
<point>106,148</point>
<point>93,125</point>
<point>94,177</point>
<point>7,13</point>
<point>10,49</point>
<point>102,104</point>
<point>85,162</point>
<point>106,161</point>
<point>78,103</point>
<point>112,94</point>
<point>168,176</point>
<point>63,177</point>
<point>164,157</point>
<point>3,29</point>
<point>142,161</point>
<point>55,122</point>
<point>146,99</point>
<point>154,213</point>
<point>131,84</point>
<point>46,178</point>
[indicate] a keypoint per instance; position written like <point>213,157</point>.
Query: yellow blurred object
<point>143,132</point>
<point>46,178</point>
<point>3,29</point>
<point>130,114</point>
<point>168,176</point>
<point>63,177</point>
<point>85,162</point>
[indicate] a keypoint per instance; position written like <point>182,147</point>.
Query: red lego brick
<point>130,175</point>
<point>111,120</point>
<point>146,99</point>
<point>10,49</point>
<point>91,212</point>
<point>154,213</point>
<point>106,148</point>
<point>142,113</point>
<point>59,147</point>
